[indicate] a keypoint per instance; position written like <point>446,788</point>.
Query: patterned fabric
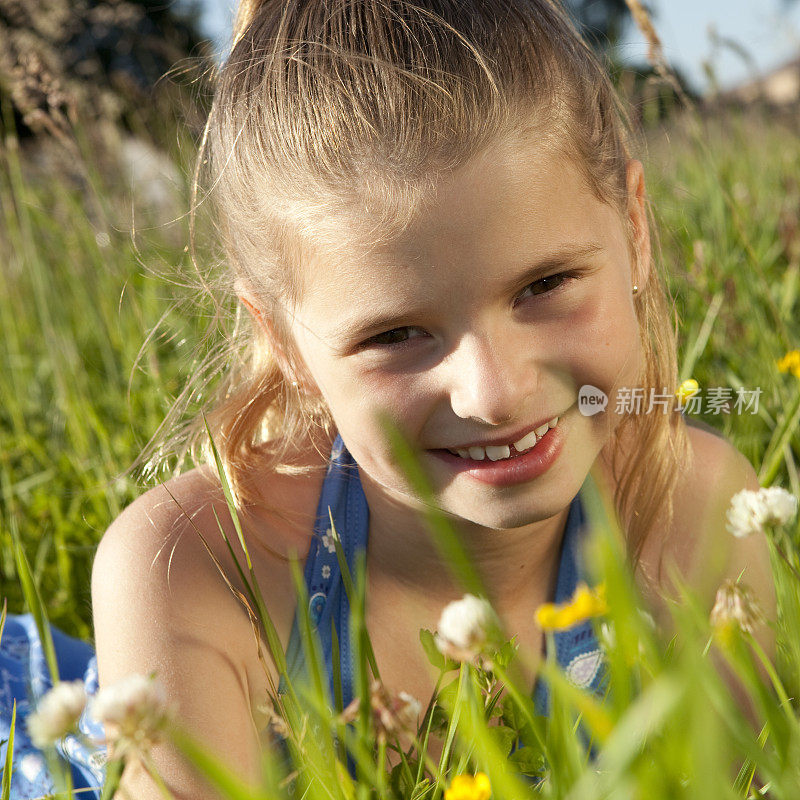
<point>24,675</point>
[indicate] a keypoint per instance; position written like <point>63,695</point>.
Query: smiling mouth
<point>506,451</point>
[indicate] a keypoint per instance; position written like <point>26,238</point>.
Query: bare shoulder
<point>157,543</point>
<point>165,560</point>
<point>162,517</point>
<point>698,544</point>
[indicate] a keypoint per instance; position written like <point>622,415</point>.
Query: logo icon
<point>591,400</point>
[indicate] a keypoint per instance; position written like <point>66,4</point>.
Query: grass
<point>732,248</point>
<point>78,299</point>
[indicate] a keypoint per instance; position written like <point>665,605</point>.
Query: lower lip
<point>509,471</point>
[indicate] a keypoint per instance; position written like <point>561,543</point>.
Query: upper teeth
<point>498,452</point>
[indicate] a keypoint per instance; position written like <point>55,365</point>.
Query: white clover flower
<point>750,511</point>
<point>465,627</point>
<point>734,605</point>
<point>57,713</point>
<point>746,513</point>
<point>781,505</point>
<point>134,710</point>
<point>407,708</point>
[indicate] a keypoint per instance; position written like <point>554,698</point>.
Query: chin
<point>509,514</point>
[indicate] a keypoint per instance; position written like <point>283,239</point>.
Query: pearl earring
<point>635,289</point>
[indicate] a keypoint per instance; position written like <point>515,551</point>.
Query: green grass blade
<point>454,715</point>
<point>3,618</point>
<point>5,793</point>
<point>113,770</point>
<point>216,772</point>
<point>338,701</point>
<point>701,340</point>
<point>781,437</point>
<point>273,640</point>
<point>311,646</point>
<point>744,780</point>
<point>645,715</point>
<point>524,704</point>
<point>34,601</point>
<point>223,479</point>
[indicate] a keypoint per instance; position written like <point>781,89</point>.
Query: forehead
<point>510,205</point>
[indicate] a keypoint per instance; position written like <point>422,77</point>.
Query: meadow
<point>94,349</point>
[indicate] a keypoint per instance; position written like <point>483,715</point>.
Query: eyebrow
<point>371,324</point>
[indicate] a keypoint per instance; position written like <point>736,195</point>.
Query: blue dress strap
<point>342,499</point>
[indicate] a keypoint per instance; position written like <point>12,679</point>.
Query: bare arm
<point>161,606</point>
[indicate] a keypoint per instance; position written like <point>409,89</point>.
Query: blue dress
<point>24,674</point>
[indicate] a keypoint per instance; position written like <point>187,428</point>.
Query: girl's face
<point>509,292</point>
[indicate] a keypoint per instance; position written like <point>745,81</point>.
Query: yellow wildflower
<point>585,604</point>
<point>790,363</point>
<point>468,787</point>
<point>688,388</point>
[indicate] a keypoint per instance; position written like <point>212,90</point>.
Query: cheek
<point>357,403</point>
<point>357,397</point>
<point>604,342</point>
<point>405,397</point>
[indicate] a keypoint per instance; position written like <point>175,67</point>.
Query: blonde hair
<point>323,108</point>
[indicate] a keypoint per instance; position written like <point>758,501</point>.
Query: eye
<point>546,285</point>
<point>394,337</point>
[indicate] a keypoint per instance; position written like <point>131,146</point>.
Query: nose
<point>489,379</point>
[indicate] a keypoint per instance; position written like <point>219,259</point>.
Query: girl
<point>429,210</point>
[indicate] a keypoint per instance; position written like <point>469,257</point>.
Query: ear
<point>637,214</point>
<point>264,322</point>
<point>251,307</point>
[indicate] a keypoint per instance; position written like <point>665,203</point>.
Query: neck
<point>517,567</point>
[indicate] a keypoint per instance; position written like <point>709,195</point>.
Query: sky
<point>767,30</point>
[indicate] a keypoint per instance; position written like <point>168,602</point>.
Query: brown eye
<point>396,336</point>
<point>545,285</point>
